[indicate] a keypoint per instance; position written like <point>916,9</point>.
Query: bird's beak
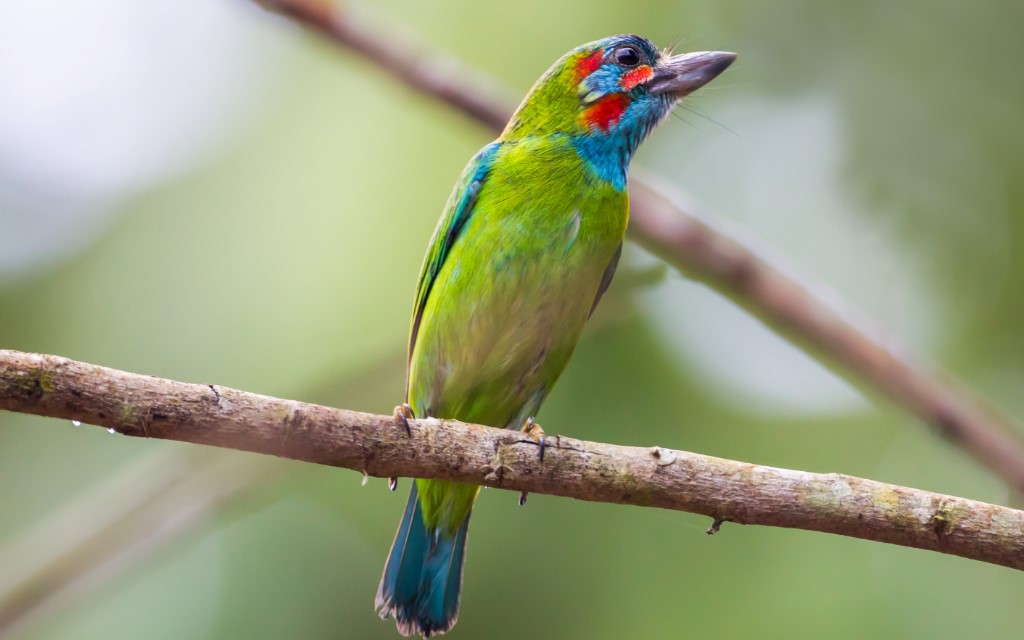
<point>683,74</point>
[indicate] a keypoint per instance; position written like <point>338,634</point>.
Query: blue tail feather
<point>423,576</point>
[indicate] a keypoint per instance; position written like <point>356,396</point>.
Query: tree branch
<point>708,253</point>
<point>725,490</point>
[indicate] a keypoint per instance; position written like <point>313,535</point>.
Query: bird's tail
<point>423,576</point>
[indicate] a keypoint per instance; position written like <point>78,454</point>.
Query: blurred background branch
<point>376,445</point>
<point>710,253</point>
<point>122,521</point>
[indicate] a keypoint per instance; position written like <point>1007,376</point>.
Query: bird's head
<point>617,88</point>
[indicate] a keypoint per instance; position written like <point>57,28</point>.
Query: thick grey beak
<point>681,75</point>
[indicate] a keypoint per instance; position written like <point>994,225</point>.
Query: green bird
<point>527,244</point>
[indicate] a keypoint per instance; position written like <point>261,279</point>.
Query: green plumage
<point>508,306</point>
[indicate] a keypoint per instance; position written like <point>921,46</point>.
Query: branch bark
<point>704,251</point>
<point>726,490</point>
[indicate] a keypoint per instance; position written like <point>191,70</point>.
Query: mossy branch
<point>726,490</point>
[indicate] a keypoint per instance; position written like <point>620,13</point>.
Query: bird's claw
<point>534,431</point>
<point>403,413</point>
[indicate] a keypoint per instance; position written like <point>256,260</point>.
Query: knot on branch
<point>943,520</point>
<point>663,457</point>
<point>494,476</point>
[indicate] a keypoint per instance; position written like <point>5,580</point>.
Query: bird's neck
<point>608,154</point>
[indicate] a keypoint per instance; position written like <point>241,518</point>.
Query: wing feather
<point>606,279</point>
<point>457,213</point>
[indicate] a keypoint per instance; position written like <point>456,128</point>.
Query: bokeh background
<point>198,190</point>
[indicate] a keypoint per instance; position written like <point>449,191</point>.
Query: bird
<point>526,246</point>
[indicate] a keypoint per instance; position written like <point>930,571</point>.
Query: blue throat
<point>607,154</point>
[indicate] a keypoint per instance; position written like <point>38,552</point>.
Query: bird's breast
<point>509,305</point>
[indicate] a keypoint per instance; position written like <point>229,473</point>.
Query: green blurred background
<point>195,189</point>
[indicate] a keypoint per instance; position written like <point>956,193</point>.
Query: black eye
<point>627,56</point>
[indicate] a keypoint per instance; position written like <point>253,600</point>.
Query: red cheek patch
<point>604,113</point>
<point>636,77</point>
<point>589,65</point>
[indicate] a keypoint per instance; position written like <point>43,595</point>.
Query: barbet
<point>526,246</point>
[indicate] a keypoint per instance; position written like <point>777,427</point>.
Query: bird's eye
<point>627,56</point>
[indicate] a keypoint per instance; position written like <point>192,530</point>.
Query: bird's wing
<point>606,279</point>
<point>456,213</point>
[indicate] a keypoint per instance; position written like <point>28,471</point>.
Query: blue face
<point>618,110</point>
<point>621,56</point>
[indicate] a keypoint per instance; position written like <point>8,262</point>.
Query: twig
<point>376,445</point>
<point>686,241</point>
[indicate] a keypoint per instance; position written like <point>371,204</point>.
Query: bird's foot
<point>534,431</point>
<point>403,413</point>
